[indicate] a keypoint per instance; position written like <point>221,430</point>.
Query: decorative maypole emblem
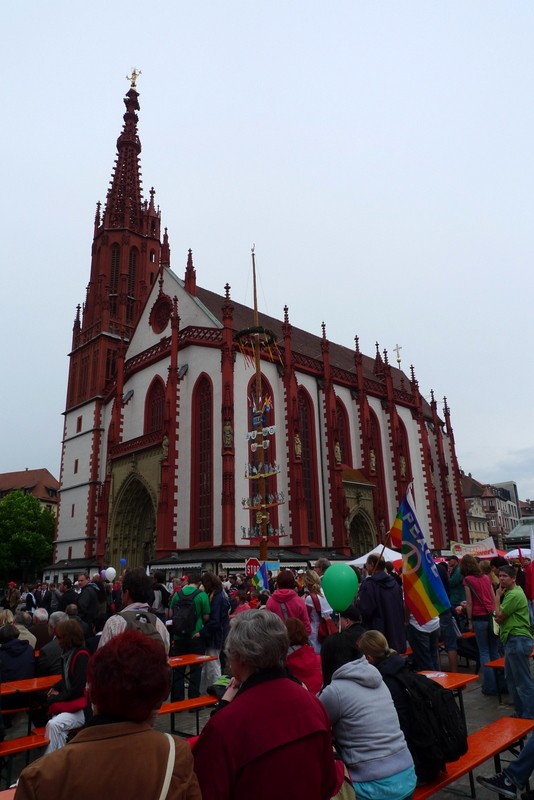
<point>257,343</point>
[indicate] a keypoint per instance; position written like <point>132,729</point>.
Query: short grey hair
<point>23,618</point>
<point>40,615</point>
<point>323,564</point>
<point>258,639</point>
<point>55,618</point>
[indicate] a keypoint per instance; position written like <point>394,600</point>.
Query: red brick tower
<point>126,256</point>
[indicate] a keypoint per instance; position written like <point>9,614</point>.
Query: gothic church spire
<point>124,198</point>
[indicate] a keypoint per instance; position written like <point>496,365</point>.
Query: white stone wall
<point>75,486</point>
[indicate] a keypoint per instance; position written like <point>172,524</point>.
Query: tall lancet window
<point>114,278</point>
<point>343,432</point>
<point>155,406</point>
<point>201,530</point>
<point>309,464</point>
<point>132,278</point>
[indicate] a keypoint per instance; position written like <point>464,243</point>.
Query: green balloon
<point>340,584</point>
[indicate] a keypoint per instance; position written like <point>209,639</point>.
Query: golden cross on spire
<point>397,350</point>
<point>133,77</point>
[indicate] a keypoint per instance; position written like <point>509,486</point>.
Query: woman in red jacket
<point>302,660</point>
<point>291,737</point>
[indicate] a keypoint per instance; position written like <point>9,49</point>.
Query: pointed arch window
<point>310,486</point>
<point>155,406</point>
<point>114,278</point>
<point>202,463</point>
<point>343,432</point>
<point>132,278</point>
<point>377,472</point>
<point>132,270</point>
<point>84,371</point>
<point>405,464</point>
<point>110,364</point>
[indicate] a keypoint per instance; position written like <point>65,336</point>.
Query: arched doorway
<point>362,534</point>
<point>132,531</point>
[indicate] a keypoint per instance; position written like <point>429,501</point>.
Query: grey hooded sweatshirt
<point>365,722</point>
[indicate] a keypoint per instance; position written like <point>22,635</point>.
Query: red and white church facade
<point>158,447</point>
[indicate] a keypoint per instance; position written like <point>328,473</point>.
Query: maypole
<point>256,343</point>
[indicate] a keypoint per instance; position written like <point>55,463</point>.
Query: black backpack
<point>184,614</point>
<point>143,621</point>
<point>438,729</point>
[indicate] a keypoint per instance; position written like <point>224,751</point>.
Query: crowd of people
<point>334,702</point>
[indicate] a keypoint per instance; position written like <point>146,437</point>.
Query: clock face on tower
<point>160,313</point>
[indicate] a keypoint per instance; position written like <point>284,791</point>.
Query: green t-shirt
<point>517,623</point>
<point>202,605</point>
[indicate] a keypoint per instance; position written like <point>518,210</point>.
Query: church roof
<point>302,341</point>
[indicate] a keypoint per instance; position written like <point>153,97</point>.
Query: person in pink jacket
<point>285,602</point>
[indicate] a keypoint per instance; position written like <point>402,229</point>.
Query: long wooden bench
<point>195,704</point>
<point>23,744</point>
<point>489,742</point>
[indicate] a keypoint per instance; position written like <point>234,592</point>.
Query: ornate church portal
<point>362,536</point>
<point>132,530</point>
<point>362,529</point>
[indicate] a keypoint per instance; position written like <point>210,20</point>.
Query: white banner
<point>483,549</point>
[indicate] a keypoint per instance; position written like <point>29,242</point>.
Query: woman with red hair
<point>128,680</point>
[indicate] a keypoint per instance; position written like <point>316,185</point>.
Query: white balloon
<point>111,573</point>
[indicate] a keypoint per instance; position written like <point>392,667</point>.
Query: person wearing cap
<point>350,623</point>
<point>12,596</point>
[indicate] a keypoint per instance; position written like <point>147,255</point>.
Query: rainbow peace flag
<point>424,593</point>
<point>260,579</point>
<point>395,534</point>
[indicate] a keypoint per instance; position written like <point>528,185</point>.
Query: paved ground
<point>480,710</point>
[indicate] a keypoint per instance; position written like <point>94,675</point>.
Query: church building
<point>165,418</point>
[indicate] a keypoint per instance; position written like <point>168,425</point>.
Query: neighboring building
<point>520,536</point>
<point>159,431</point>
<point>526,508</point>
<point>502,513</point>
<point>514,508</point>
<point>37,482</point>
<point>477,521</point>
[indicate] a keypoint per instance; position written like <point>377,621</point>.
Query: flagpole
<point>388,535</point>
<point>385,544</point>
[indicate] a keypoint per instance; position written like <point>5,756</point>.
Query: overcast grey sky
<point>378,154</point>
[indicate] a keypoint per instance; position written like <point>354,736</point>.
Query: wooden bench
<point>489,742</point>
<point>23,744</point>
<point>498,665</point>
<point>195,704</point>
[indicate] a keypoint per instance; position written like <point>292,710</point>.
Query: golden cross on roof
<point>133,77</point>
<point>397,350</point>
